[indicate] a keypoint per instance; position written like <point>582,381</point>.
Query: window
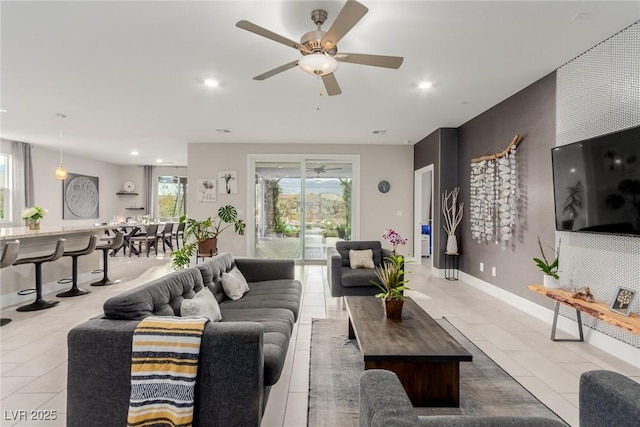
<point>172,197</point>
<point>5,188</point>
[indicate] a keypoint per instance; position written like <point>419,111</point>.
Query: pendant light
<point>61,172</point>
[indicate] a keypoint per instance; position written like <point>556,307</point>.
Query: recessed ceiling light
<point>158,160</point>
<point>211,83</point>
<point>425,85</point>
<point>134,153</point>
<point>2,110</point>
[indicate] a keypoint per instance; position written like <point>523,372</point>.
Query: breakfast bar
<point>35,243</point>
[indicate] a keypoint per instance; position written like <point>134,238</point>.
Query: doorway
<point>423,215</point>
<point>302,206</point>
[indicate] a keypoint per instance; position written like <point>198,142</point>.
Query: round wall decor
<point>129,186</point>
<point>384,186</point>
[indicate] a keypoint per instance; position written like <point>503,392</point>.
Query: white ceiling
<point>129,75</point>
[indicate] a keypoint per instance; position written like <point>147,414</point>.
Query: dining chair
<point>149,239</point>
<point>165,236</point>
<point>179,234</point>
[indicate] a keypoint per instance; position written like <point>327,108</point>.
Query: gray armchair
<point>343,280</point>
<point>383,402</point>
<point>606,398</point>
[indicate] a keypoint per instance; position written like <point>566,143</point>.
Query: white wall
<point>48,190</point>
<point>377,162</point>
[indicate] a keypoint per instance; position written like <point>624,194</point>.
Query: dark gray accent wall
<point>439,149</point>
<point>530,113</point>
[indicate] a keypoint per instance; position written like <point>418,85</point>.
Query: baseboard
<point>614,347</point>
<point>50,288</point>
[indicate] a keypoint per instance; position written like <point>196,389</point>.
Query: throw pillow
<point>203,304</point>
<point>361,259</point>
<point>234,284</point>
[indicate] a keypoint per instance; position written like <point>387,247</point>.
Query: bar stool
<point>9,256</point>
<point>114,244</point>
<point>39,303</point>
<point>75,291</point>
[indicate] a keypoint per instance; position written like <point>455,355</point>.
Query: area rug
<point>336,364</point>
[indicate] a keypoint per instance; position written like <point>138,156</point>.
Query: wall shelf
<point>124,193</point>
<point>134,209</point>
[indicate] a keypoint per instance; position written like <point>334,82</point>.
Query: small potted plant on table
<point>550,269</point>
<point>392,284</point>
<point>205,235</point>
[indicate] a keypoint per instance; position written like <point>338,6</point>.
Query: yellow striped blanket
<point>164,364</point>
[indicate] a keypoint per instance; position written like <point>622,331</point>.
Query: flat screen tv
<point>597,184</point>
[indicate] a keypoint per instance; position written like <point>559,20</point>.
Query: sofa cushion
<point>288,301</point>
<point>234,284</point>
<point>160,297</point>
<point>203,304</point>
<point>278,325</point>
<point>343,247</point>
<point>361,259</point>
<point>359,277</point>
<point>272,319</point>
<point>212,270</point>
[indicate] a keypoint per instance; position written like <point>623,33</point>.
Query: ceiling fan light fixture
<point>318,64</point>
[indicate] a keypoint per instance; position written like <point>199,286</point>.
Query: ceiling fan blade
<point>331,84</point>
<point>276,70</point>
<point>256,29</point>
<point>374,60</point>
<point>349,16</point>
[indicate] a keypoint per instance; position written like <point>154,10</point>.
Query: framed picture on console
<point>622,301</point>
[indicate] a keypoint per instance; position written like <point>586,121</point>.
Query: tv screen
<point>597,184</point>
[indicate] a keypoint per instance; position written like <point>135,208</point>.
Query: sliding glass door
<point>302,207</point>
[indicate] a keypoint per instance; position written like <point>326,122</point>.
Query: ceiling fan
<point>319,48</point>
<point>323,169</point>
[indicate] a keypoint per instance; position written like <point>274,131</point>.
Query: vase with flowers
<point>33,215</point>
<point>394,238</point>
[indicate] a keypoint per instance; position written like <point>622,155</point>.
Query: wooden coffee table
<point>421,353</point>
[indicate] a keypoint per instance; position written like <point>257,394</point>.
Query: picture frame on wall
<point>622,301</point>
<point>228,182</point>
<point>207,190</point>
<point>80,197</point>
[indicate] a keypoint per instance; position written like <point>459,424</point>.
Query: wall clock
<point>129,186</point>
<point>384,186</point>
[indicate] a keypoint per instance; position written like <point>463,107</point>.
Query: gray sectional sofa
<point>606,399</point>
<point>241,357</point>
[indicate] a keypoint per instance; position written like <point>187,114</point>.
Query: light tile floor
<point>33,351</point>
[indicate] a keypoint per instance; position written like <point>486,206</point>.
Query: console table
<point>598,310</point>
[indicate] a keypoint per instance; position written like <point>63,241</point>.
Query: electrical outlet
<point>493,271</point>
<point>482,266</point>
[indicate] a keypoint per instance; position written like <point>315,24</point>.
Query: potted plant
<point>204,235</point>
<point>550,270</point>
<point>392,284</point>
